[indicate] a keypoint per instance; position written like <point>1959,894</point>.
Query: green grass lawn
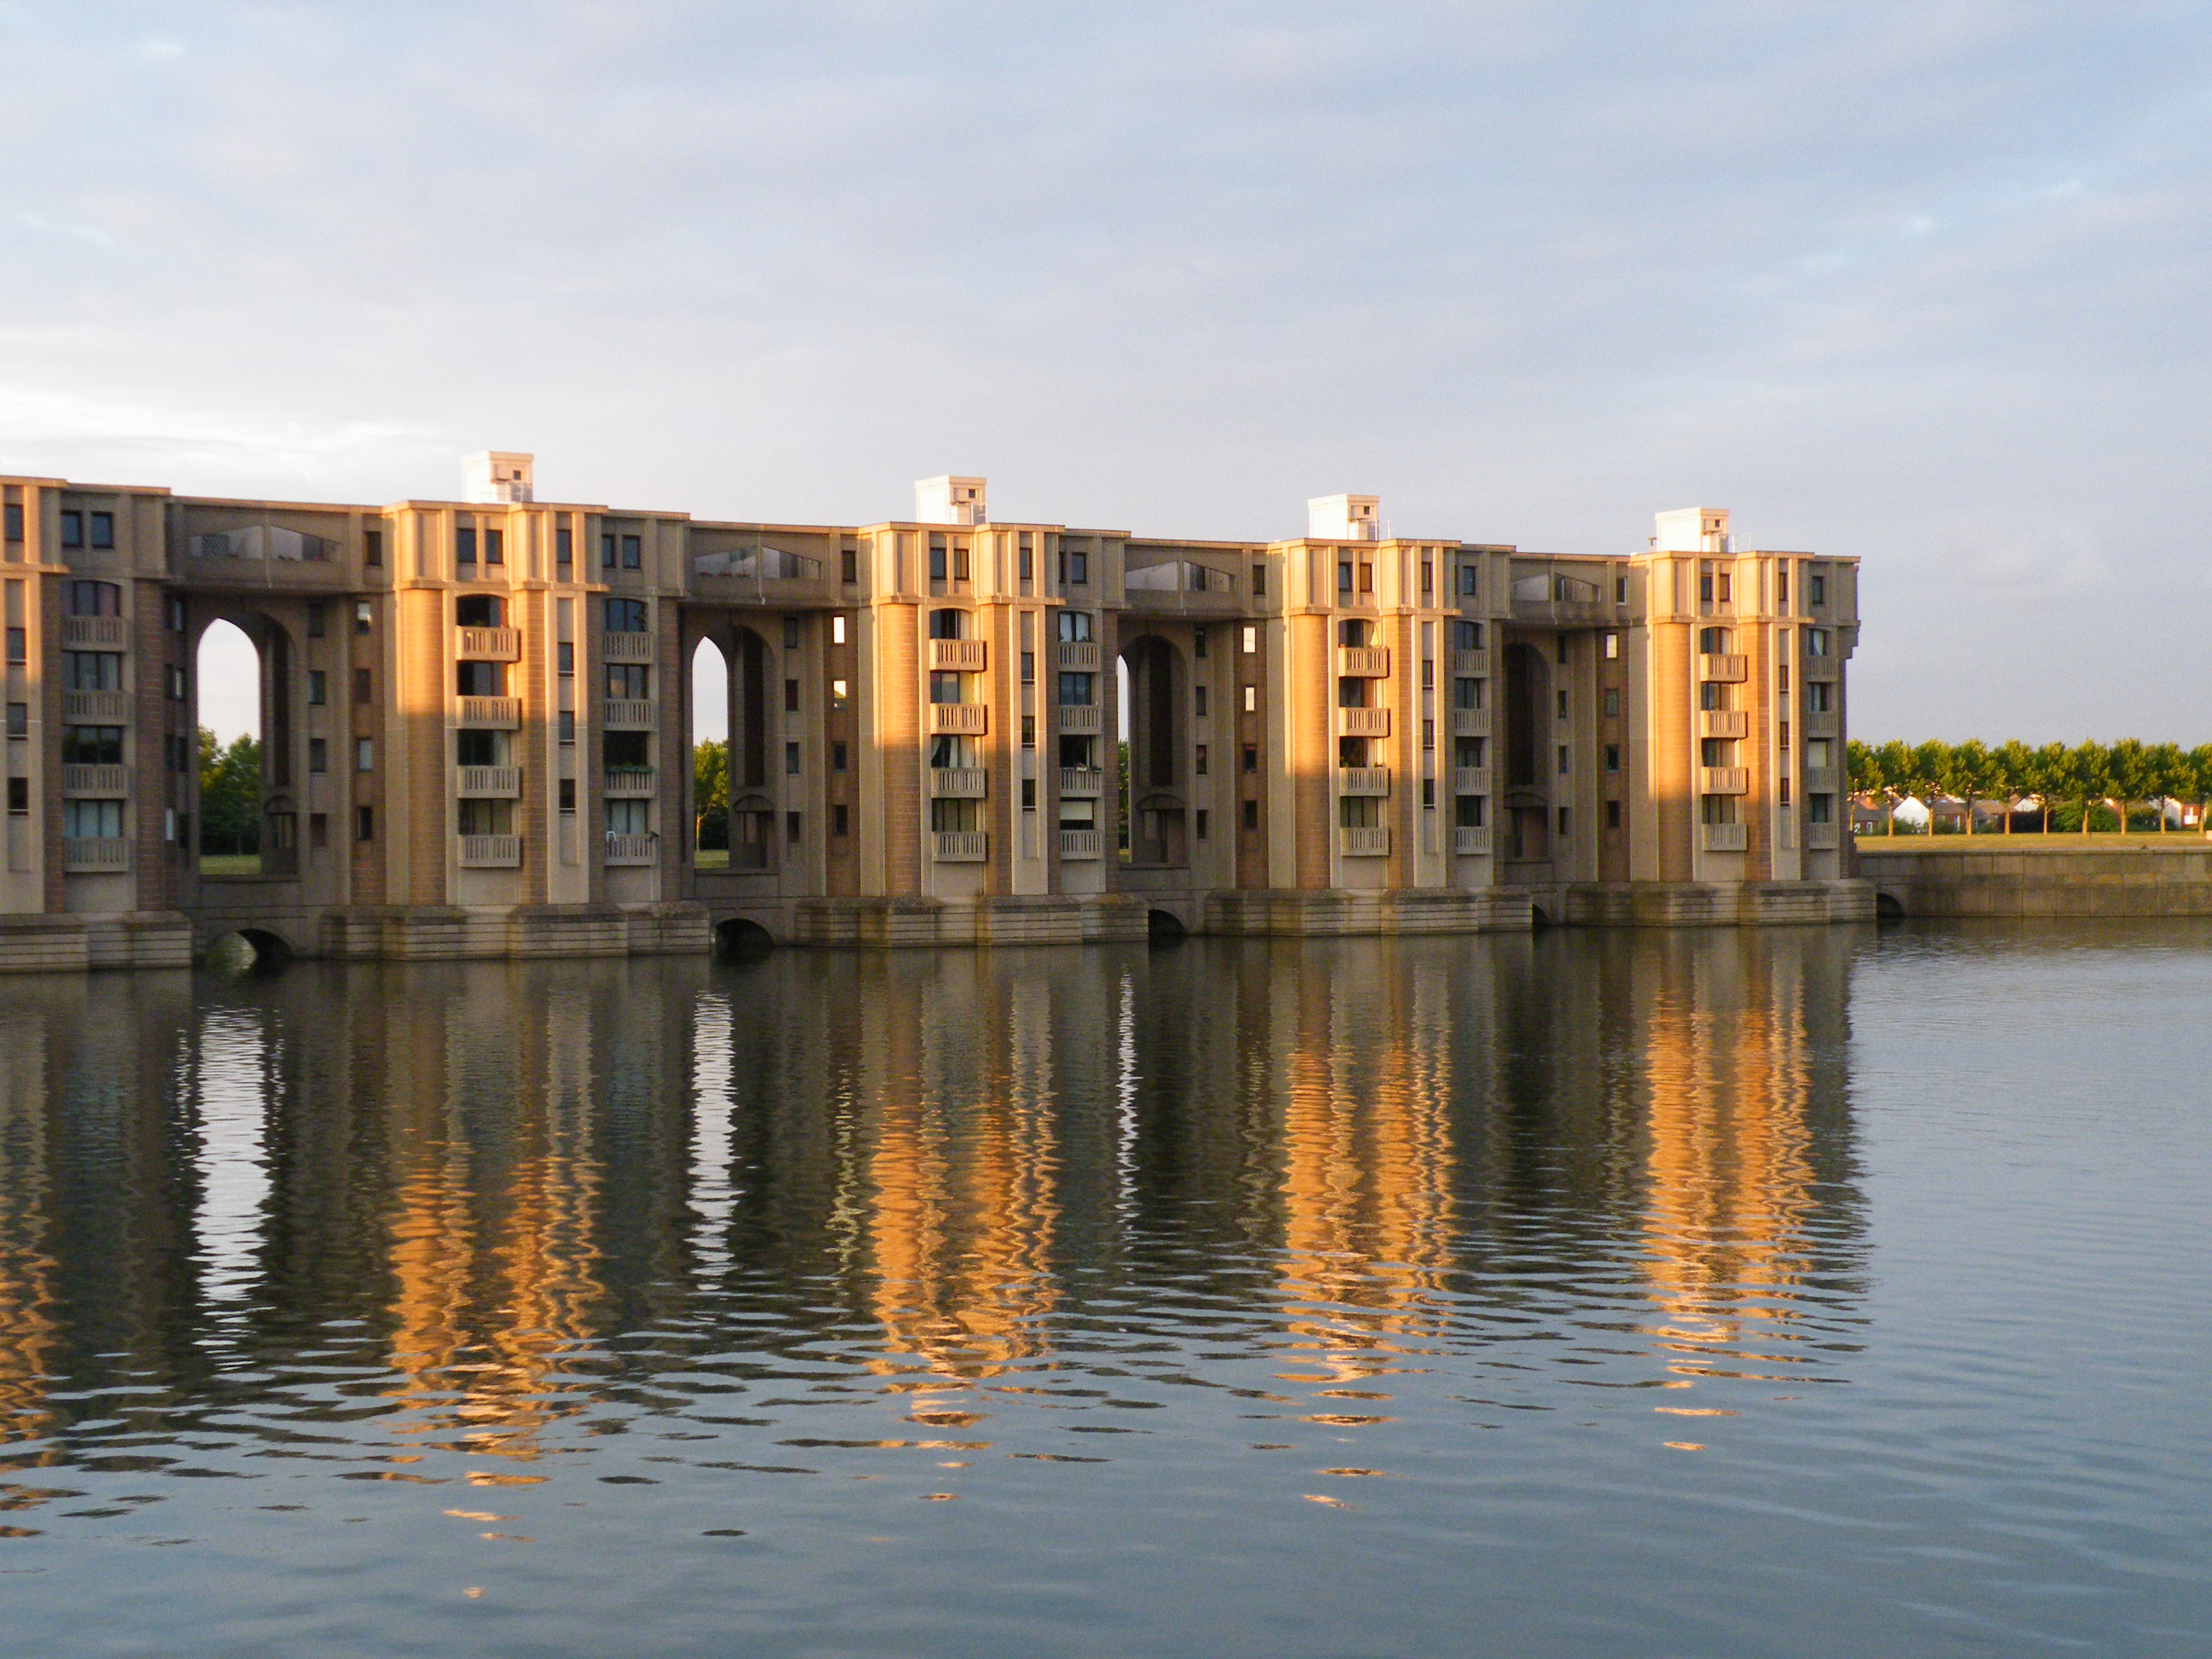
<point>712,858</point>
<point>2109,841</point>
<point>230,864</point>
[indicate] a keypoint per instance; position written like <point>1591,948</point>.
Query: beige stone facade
<point>476,720</point>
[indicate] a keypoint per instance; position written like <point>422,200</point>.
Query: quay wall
<point>2155,876</point>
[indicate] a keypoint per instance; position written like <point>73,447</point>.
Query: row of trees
<point>2060,778</point>
<point>230,793</point>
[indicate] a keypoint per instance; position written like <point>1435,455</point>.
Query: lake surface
<point>1789,1292</point>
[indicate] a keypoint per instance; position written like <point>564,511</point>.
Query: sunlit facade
<point>476,715</point>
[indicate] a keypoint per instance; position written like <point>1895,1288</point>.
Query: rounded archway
<point>1887,907</point>
<point>245,950</point>
<point>1164,927</point>
<point>1539,916</point>
<point>740,939</point>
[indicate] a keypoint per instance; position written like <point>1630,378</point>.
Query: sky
<point>1922,283</point>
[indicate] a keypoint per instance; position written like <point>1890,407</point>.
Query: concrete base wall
<point>2144,880</point>
<point>71,944</point>
<point>899,923</point>
<point>1341,913</point>
<point>1690,904</point>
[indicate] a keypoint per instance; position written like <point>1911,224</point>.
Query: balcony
<point>107,708</point>
<point>1470,838</point>
<point>1724,780</point>
<point>1819,837</point>
<point>1723,837</point>
<point>1364,844</point>
<point>1821,723</point>
<point>1363,722</point>
<point>627,712</point>
<point>95,779</point>
<point>1081,780</point>
<point>491,644</point>
<point>1079,655</point>
<point>958,782</point>
<point>959,656</point>
<point>1370,662</point>
<point>103,854</point>
<point>959,717</point>
<point>1470,664</point>
<point>1080,844</point>
<point>631,850</point>
<point>1470,780</point>
<point>489,783</point>
<point>961,846</point>
<point>1470,722</point>
<point>1730,669</point>
<point>627,780</point>
<point>491,852</point>
<point>1820,780</point>
<point>1077,717</point>
<point>502,713</point>
<point>112,632</point>
<point>1723,723</point>
<point>1363,780</point>
<point>626,647</point>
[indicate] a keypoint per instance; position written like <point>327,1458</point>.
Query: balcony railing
<point>1471,663</point>
<point>959,656</point>
<point>1365,844</point>
<point>1818,835</point>
<point>958,782</point>
<point>1820,780</point>
<point>1470,722</point>
<point>1363,661</point>
<point>1077,717</point>
<point>626,647</point>
<point>1821,723</point>
<point>1363,780</point>
<point>103,852</point>
<point>1471,838</point>
<point>496,783</point>
<point>1470,780</point>
<point>627,780</point>
<point>95,630</point>
<point>491,852</point>
<point>491,644</point>
<point>97,780</point>
<point>1077,655</point>
<point>1079,844</point>
<point>628,711</point>
<point>1723,837</point>
<point>631,849</point>
<point>962,845</point>
<point>1723,723</point>
<point>1363,722</point>
<point>1081,780</point>
<point>1724,780</point>
<point>108,707</point>
<point>499,713</point>
<point>961,717</point>
<point>1729,668</point>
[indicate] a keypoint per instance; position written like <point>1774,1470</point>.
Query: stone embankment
<point>2024,875</point>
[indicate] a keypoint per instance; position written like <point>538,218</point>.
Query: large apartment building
<point>475,717</point>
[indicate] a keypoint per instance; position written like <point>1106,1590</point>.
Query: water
<point>1765,1294</point>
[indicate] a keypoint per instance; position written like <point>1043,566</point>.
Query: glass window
<point>1075,690</point>
<point>625,616</point>
<point>633,550</point>
<point>1075,626</point>
<point>95,599</point>
<point>947,624</point>
<point>91,671</point>
<point>72,529</point>
<point>91,745</point>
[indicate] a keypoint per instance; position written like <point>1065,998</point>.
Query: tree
<point>710,793</point>
<point>1968,773</point>
<point>2200,779</point>
<point>2089,770</point>
<point>230,794</point>
<point>1929,763</point>
<point>1896,763</point>
<point>2167,776</point>
<point>2016,765</point>
<point>2050,773</point>
<point>2127,768</point>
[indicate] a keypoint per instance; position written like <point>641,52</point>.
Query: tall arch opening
<point>228,675</point>
<point>710,757</point>
<point>752,787</point>
<point>1149,678</point>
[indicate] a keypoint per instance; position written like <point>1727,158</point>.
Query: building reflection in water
<point>1358,1154</point>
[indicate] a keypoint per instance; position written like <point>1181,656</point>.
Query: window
<point>1428,673</point>
<point>1612,701</point>
<point>1251,641</point>
<point>1428,735</point>
<point>564,657</point>
<point>1705,587</point>
<point>19,796</point>
<point>840,693</point>
<point>1613,757</point>
<point>960,571</point>
<point>176,683</point>
<point>1817,591</point>
<point>1820,809</point>
<point>840,821</point>
<point>476,610</point>
<point>1468,581</point>
<point>1074,567</point>
<point>1251,699</point>
<point>1198,642</point>
<point>1029,668</point>
<point>791,632</point>
<point>1782,587</point>
<point>1559,649</point>
<point>1025,568</point>
<point>1200,821</point>
<point>627,681</point>
<point>566,725</point>
<point>481,679</point>
<point>1563,821</point>
<point>1816,697</point>
<point>1563,760</point>
<point>1198,761</point>
<point>625,616</point>
<point>1075,626</point>
<point>372,547</point>
<point>465,542</point>
<point>1466,636</point>
<point>318,621</point>
<point>91,745</point>
<point>1781,792</point>
<point>1466,694</point>
<point>628,818</point>
<point>1620,590</point>
<point>19,719</point>
<point>72,529</point>
<point>1029,795</point>
<point>606,550</point>
<point>633,552</point>
<point>1075,690</point>
<point>837,628</point>
<point>791,697</point>
<point>1613,814</point>
<point>106,599</point>
<point>364,754</point>
<point>1613,648</point>
<point>1816,641</point>
<point>1251,815</point>
<point>1351,692</point>
<point>92,820</point>
<point>837,757</point>
<point>176,616</point>
<point>936,558</point>
<point>1710,695</point>
<point>1344,575</point>
<point>1428,578</point>
<point>1029,731</point>
<point>476,748</point>
<point>947,624</point>
<point>1817,750</point>
<point>1259,581</point>
<point>14,521</point>
<point>1712,642</point>
<point>564,545</point>
<point>494,547</point>
<point>790,760</point>
<point>1563,703</point>
<point>1467,752</point>
<point>1366,578</point>
<point>1251,758</point>
<point>1713,751</point>
<point>319,755</point>
<point>945,687</point>
<point>85,671</point>
<point>1466,812</point>
<point>1198,703</point>
<point>364,823</point>
<point>849,564</point>
<point>318,830</point>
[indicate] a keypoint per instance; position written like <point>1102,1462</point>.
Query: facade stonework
<point>476,719</point>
